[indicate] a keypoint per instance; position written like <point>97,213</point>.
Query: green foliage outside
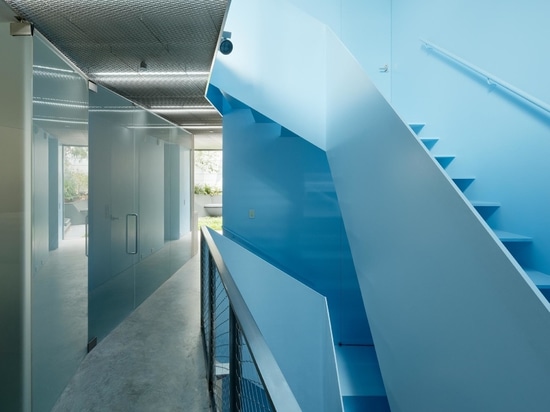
<point>214,222</point>
<point>75,182</point>
<point>75,186</point>
<point>208,164</point>
<point>209,161</point>
<point>206,189</point>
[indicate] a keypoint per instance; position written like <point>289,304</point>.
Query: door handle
<point>86,235</point>
<point>135,243</point>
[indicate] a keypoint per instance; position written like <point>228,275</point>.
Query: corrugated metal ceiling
<point>109,39</point>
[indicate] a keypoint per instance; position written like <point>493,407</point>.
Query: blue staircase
<point>361,384</point>
<point>456,322</point>
<point>514,242</point>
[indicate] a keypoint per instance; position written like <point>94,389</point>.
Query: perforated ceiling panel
<point>112,40</point>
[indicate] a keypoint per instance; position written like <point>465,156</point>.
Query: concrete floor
<point>153,361</point>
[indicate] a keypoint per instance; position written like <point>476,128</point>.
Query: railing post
<point>203,276</point>
<point>211,321</point>
<point>235,371</point>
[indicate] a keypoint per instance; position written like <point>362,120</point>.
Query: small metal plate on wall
<point>21,29</point>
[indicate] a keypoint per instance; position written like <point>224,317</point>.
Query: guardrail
<point>491,80</point>
<point>243,375</point>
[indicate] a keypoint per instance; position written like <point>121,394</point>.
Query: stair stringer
<point>447,303</point>
<point>456,324</point>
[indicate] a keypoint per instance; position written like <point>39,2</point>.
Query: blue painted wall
<point>497,138</point>
<point>297,224</point>
<point>500,140</point>
<point>365,28</point>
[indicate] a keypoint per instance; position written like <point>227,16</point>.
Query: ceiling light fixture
<point>115,74</point>
<point>61,104</point>
<point>181,107</point>
<point>37,119</point>
<point>201,127</point>
<point>53,69</point>
<point>115,110</point>
<point>185,110</point>
<point>153,127</point>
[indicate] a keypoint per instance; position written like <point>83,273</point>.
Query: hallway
<point>153,361</point>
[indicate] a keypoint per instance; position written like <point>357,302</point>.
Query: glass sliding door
<point>113,219</point>
<point>59,282</point>
<point>135,157</point>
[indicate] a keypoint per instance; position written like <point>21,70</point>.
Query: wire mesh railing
<point>242,373</point>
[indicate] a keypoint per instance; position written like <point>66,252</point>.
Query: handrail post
<point>235,371</point>
<point>211,321</point>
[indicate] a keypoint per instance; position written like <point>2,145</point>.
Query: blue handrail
<point>491,80</point>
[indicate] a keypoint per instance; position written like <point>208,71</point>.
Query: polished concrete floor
<point>153,361</point>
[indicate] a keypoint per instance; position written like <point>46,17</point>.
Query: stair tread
<point>512,237</point>
<point>359,371</point>
<point>366,403</point>
<point>463,182</point>
<point>416,127</point>
<point>429,142</point>
<point>542,280</point>
<point>444,160</point>
<point>484,203</point>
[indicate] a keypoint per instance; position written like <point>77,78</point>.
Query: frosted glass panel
<point>15,100</point>
<point>59,304</point>
<point>139,199</point>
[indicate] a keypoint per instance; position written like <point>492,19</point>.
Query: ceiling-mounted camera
<point>226,46</point>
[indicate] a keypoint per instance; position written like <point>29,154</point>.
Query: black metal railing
<point>242,372</point>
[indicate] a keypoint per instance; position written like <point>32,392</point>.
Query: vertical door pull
<point>132,247</point>
<point>86,235</point>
